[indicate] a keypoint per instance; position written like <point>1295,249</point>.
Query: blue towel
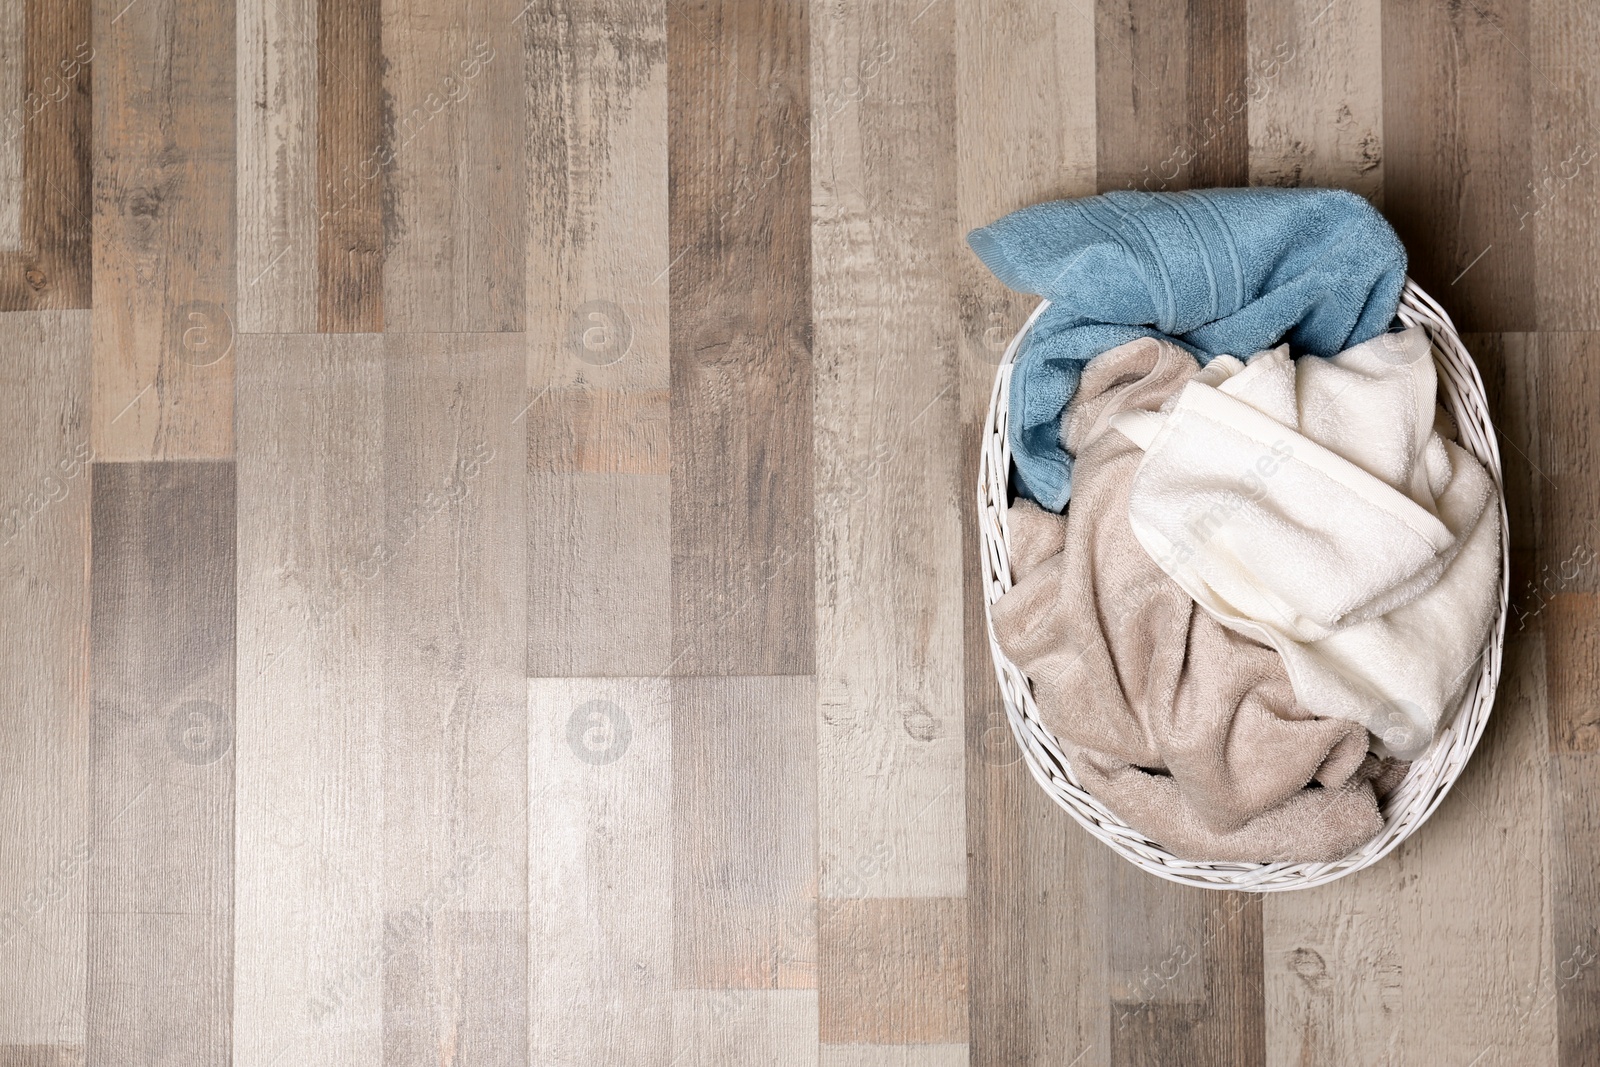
<point>1217,270</point>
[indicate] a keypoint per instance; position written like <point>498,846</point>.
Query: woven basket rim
<point>1424,787</point>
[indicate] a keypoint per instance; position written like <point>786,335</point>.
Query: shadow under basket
<point>1430,777</point>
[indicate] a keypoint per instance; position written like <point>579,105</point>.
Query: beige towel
<point>1184,729</point>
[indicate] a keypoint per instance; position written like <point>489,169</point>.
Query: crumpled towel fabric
<point>1187,731</point>
<point>1315,505</point>
<point>1218,270</point>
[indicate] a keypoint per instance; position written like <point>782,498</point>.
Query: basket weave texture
<point>1430,777</point>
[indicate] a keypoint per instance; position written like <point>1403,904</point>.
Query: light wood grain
<point>1572,668</point>
<point>888,559</point>
<point>599,570</point>
<point>41,1056</point>
<point>1185,971</point>
<point>599,544</point>
<point>13,65</point>
<point>455,729</point>
<point>1456,134</point>
<point>892,971</point>
<point>455,987</point>
<point>1559,600</point>
<point>276,141</point>
<point>731,1028</point>
<point>1335,976</point>
<point>1575,887</point>
<point>1556,202</point>
<point>309,813</point>
<point>599,573</point>
<point>1476,949</point>
<point>740,211</point>
<point>46,837</point>
<point>600,869</point>
<point>1568,457</point>
<point>744,802</point>
<point>1314,88</point>
<point>52,267</point>
<point>597,288</point>
<point>894,1056</point>
<point>164,229</point>
<point>161,680</point>
<point>454,161</point>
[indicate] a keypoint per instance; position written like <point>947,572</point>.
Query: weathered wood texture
<point>164,230</point>
<point>161,756</point>
<point>739,213</point>
<point>47,128</point>
<point>47,837</point>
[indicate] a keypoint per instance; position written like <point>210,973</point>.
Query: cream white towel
<point>1316,506</point>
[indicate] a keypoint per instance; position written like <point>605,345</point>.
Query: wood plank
<point>1572,671</point>
<point>309,822</point>
<point>740,215</point>
<point>1456,133</point>
<point>52,267</point>
<point>1476,947</point>
<point>1335,975</point>
<point>164,229</point>
<point>46,840</point>
<point>597,291</point>
<point>1026,130</point>
<point>1171,117</point>
<point>1569,457</point>
<point>349,153</point>
<point>892,971</point>
<point>885,247</point>
<point>894,1056</point>
<point>1034,998</point>
<point>744,799</point>
<point>1315,92</point>
<point>455,984</point>
<point>1185,973</point>
<point>454,159</point>
<point>41,1056</point>
<point>1574,983</point>
<point>600,869</point>
<point>1141,95</point>
<point>1218,97</point>
<point>13,65</point>
<point>732,1028</point>
<point>455,788</point>
<point>600,533</point>
<point>599,574</point>
<point>1556,203</point>
<point>161,685</point>
<point>276,197</point>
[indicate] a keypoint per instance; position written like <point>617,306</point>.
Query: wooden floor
<point>487,570</point>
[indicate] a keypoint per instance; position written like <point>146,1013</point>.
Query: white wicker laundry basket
<point>1430,777</point>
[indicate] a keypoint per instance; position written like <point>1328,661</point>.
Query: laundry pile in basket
<point>1277,569</point>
